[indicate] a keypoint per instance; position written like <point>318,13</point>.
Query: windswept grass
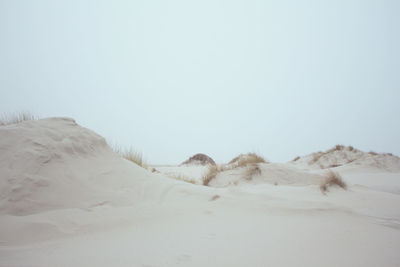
<point>336,148</point>
<point>332,179</point>
<point>14,118</point>
<point>320,154</point>
<point>249,160</point>
<point>211,174</point>
<point>135,156</point>
<point>131,155</point>
<point>373,153</point>
<point>246,159</point>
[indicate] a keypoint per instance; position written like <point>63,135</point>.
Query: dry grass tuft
<point>7,119</point>
<point>333,166</point>
<point>332,179</point>
<point>211,174</point>
<point>339,147</point>
<point>296,159</point>
<point>335,148</point>
<point>246,159</point>
<point>249,160</point>
<point>317,156</point>
<point>251,171</point>
<point>135,157</point>
<point>131,155</point>
<point>372,153</point>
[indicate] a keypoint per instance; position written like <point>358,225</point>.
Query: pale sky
<point>174,78</point>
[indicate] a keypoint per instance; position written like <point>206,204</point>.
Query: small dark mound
<point>199,159</point>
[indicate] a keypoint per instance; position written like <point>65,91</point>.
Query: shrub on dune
<point>332,179</point>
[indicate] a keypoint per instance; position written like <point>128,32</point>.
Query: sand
<point>66,199</point>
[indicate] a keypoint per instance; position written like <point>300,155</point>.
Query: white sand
<point>67,200</point>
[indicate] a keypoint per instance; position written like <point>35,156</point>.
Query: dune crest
<point>348,156</point>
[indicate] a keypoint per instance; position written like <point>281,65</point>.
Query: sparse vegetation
<point>335,148</point>
<point>211,174</point>
<point>339,147</point>
<point>135,157</point>
<point>7,119</point>
<point>372,153</point>
<point>332,179</point>
<point>318,155</point>
<point>296,159</point>
<point>245,159</point>
<point>199,158</point>
<point>251,171</point>
<point>131,155</point>
<point>249,160</point>
<point>334,166</point>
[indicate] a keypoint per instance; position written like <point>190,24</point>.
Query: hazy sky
<point>173,78</point>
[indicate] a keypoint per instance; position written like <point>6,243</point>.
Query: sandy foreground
<point>67,200</point>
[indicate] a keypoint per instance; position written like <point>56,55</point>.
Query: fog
<point>174,78</point>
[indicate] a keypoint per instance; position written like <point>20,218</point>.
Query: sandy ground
<point>67,200</point>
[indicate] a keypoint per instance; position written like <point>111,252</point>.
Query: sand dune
<point>66,199</point>
<point>348,156</point>
<point>55,164</point>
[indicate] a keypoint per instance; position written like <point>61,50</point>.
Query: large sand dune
<point>66,199</point>
<point>54,164</point>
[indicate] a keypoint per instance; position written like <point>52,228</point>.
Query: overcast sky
<point>173,78</point>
